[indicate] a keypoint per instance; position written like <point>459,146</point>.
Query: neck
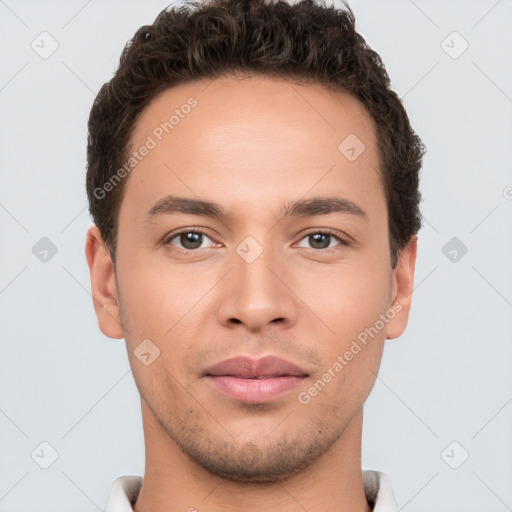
<point>174,482</point>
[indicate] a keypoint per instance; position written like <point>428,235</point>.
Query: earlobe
<point>401,290</point>
<point>103,284</point>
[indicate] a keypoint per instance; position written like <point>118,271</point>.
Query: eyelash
<point>330,232</point>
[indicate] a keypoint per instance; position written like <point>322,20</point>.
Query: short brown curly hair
<point>303,42</point>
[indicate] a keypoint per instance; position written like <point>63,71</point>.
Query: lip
<point>255,380</point>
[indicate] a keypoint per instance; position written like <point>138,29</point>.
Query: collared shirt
<point>377,488</point>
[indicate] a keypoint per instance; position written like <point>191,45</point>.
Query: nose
<point>257,294</point>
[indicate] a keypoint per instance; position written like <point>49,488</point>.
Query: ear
<point>103,284</point>
<point>401,289</point>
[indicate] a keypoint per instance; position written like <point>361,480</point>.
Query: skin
<point>253,146</point>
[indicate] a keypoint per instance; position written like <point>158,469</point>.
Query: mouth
<point>255,380</point>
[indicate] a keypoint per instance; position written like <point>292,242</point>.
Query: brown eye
<point>323,240</point>
<point>191,240</point>
<point>188,240</point>
<point>319,240</point>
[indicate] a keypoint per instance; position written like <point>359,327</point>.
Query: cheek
<point>346,298</point>
<point>165,304</point>
<point>155,294</point>
<point>350,302</point>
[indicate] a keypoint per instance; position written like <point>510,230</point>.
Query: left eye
<point>321,240</point>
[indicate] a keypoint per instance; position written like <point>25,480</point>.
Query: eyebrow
<point>170,204</point>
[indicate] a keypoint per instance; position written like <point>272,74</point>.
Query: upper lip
<point>245,367</point>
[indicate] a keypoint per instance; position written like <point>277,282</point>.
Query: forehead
<point>255,139</point>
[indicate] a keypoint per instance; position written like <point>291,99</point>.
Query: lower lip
<point>254,390</point>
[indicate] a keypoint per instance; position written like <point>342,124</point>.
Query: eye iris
<point>319,238</point>
<point>194,239</point>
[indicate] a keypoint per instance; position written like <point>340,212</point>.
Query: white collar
<point>377,488</point>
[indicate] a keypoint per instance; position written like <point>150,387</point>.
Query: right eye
<point>190,239</point>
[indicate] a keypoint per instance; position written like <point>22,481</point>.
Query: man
<point>254,186</point>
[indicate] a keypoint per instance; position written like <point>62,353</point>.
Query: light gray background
<point>447,379</point>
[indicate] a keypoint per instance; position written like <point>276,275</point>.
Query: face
<point>250,228</point>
